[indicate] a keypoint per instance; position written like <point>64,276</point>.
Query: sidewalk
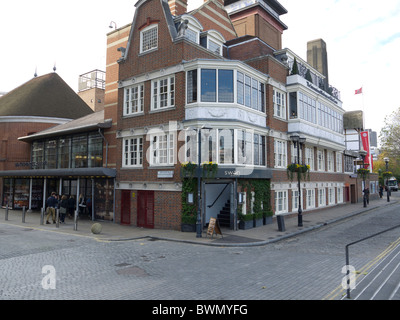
<point>256,236</point>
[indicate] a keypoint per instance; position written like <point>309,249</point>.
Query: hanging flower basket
<point>188,169</point>
<point>387,174</point>
<point>302,170</point>
<point>363,173</point>
<point>209,169</point>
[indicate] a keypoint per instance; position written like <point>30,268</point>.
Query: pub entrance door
<point>145,209</point>
<point>126,207</point>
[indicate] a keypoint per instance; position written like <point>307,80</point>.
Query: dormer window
<point>188,27</point>
<point>213,41</point>
<point>149,38</point>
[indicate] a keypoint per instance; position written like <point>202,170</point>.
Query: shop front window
<point>79,151</point>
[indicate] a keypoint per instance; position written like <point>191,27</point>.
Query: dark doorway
<point>145,209</point>
<point>126,207</point>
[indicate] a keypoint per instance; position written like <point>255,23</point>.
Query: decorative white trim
<point>34,119</point>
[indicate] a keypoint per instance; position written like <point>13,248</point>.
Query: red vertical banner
<point>365,143</point>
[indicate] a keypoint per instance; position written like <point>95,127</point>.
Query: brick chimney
<point>177,7</point>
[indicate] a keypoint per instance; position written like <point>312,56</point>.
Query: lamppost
<point>198,222</point>
<point>387,179</point>
<point>363,154</point>
<point>298,143</point>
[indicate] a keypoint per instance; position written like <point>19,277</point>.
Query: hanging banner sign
<point>365,143</point>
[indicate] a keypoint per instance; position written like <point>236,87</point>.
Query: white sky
<point>362,36</point>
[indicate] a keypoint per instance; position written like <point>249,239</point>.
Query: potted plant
<point>258,219</point>
<point>267,217</point>
<point>188,223</point>
<point>246,221</point>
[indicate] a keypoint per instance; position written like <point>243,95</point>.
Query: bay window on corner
<point>225,86</point>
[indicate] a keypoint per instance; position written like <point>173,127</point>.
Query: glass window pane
<point>208,85</point>
<point>225,85</point>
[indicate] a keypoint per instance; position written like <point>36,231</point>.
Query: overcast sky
<point>362,36</point>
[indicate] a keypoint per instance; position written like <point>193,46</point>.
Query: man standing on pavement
<point>51,207</point>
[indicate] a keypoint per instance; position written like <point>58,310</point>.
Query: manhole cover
<point>136,271</point>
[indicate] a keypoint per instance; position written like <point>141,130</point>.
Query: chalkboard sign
<point>213,227</point>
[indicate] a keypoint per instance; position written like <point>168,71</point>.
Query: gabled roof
<point>44,96</point>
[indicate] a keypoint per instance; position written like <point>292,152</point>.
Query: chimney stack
<point>177,7</point>
<point>317,57</point>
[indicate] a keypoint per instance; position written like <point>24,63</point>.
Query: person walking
<point>51,207</point>
<point>63,208</point>
<point>71,206</point>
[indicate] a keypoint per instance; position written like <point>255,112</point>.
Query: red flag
<point>359,91</point>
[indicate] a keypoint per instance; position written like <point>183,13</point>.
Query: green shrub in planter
<point>246,221</point>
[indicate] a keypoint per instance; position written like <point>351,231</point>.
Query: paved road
<point>307,266</point>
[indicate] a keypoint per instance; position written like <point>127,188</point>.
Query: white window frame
<point>280,153</point>
<point>309,157</point>
<point>295,200</point>
<point>281,201</point>
<point>132,148</point>
<point>133,99</point>
<point>310,198</point>
<point>320,160</point>
<point>330,161</point>
<point>192,34</point>
<point>294,153</point>
<point>331,195</point>
<point>162,149</point>
<point>158,91</point>
<point>339,194</point>
<point>279,100</point>
<point>145,33</point>
<point>339,162</point>
<point>321,197</point>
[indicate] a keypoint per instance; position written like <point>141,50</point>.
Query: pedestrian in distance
<point>51,207</point>
<point>71,206</point>
<point>63,208</point>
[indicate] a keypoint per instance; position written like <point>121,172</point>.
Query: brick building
<point>39,104</point>
<point>219,73</point>
<point>219,70</point>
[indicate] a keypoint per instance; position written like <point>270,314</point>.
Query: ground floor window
<point>98,193</point>
<point>281,202</point>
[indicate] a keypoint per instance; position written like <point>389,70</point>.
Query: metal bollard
<point>281,223</point>
<point>23,214</point>
<point>42,216</point>
<point>57,218</point>
<point>76,221</point>
<point>6,217</point>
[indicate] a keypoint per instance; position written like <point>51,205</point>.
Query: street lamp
<point>198,222</point>
<point>298,142</point>
<point>363,154</point>
<point>387,179</point>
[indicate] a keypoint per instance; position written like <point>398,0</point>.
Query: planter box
<point>258,222</point>
<point>245,225</point>
<point>267,220</point>
<point>187,227</point>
